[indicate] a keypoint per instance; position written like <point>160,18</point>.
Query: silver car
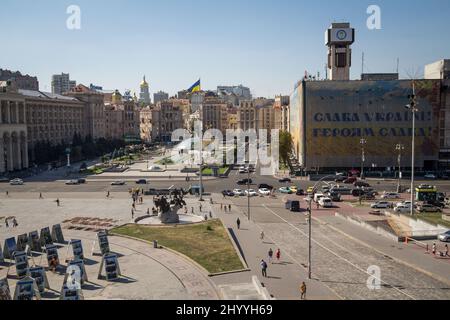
<point>444,237</point>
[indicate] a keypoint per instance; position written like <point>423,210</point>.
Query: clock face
<point>341,34</point>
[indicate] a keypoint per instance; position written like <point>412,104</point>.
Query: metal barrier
<point>417,243</point>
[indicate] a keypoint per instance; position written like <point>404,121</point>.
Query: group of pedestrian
<point>277,255</point>
<point>225,207</point>
<point>14,223</point>
<point>441,253</point>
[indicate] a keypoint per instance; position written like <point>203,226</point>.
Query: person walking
<point>261,235</point>
<point>40,195</point>
<point>221,206</point>
<point>225,208</point>
<point>210,214</point>
<point>446,250</point>
<point>148,211</point>
<point>132,213</point>
<point>318,205</point>
<point>15,224</point>
<point>303,291</point>
<point>238,222</point>
<point>270,254</point>
<point>206,217</point>
<point>229,207</point>
<point>434,248</point>
<point>6,223</point>
<point>57,202</point>
<point>278,255</point>
<point>263,268</point>
<point>107,195</point>
<point>7,193</point>
<point>192,210</point>
<point>200,206</point>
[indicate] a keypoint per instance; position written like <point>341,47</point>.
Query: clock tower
<point>339,38</point>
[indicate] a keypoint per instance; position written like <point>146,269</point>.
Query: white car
<point>264,191</point>
<point>381,205</point>
<point>325,202</point>
<point>444,237</point>
<point>72,182</point>
<point>402,208</point>
<point>390,195</point>
<point>16,182</point>
<point>430,176</point>
<point>317,196</point>
<point>238,192</point>
<point>251,193</point>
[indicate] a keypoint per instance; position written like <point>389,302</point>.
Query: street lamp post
<point>248,190</point>
<point>399,147</point>
<point>412,106</point>
<point>363,159</point>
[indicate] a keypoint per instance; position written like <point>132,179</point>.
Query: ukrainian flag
<point>195,87</point>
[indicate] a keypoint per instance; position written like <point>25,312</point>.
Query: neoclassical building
<point>13,129</point>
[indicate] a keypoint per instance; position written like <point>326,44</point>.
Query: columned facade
<point>13,133</point>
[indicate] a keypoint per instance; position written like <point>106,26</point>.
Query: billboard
<point>336,115</point>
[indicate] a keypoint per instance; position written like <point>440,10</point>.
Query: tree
<point>286,146</point>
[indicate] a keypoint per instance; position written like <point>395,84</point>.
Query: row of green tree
<point>80,149</point>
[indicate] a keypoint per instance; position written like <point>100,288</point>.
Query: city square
<point>209,153</point>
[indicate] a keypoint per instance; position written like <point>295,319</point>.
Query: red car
<point>350,180</point>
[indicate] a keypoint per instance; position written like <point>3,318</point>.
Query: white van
<point>317,196</point>
<point>325,202</point>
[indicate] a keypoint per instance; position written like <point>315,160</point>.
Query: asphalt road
<point>57,184</point>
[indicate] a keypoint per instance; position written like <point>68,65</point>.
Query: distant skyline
<point>265,45</point>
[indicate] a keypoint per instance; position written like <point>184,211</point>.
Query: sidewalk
<point>284,278</point>
<point>409,254</point>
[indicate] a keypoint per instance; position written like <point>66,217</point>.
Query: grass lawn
<point>207,243</point>
<point>165,161</point>
<point>222,170</point>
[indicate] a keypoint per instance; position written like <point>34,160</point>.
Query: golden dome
<point>144,83</point>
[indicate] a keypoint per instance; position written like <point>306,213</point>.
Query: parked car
<point>368,196</point>
<point>118,183</point>
<point>428,208</point>
<point>317,196</point>
<point>436,203</point>
<point>285,190</point>
<point>361,184</point>
<point>81,180</point>
<point>381,205</point>
<point>228,193</point>
<point>430,176</point>
<point>243,170</point>
<point>4,179</point>
<point>444,237</point>
<point>72,182</point>
<point>265,186</point>
<point>350,180</point>
<point>244,181</point>
<point>293,189</point>
<point>334,196</point>
<point>300,192</point>
<point>141,181</point>
<point>390,195</point>
<point>342,190</point>
<point>402,208</point>
<point>238,192</point>
<point>357,192</point>
<point>251,193</point>
<point>404,203</point>
<point>340,179</point>
<point>325,202</point>
<point>293,205</point>
<point>264,191</point>
<point>284,180</point>
<point>310,190</point>
<point>16,182</point>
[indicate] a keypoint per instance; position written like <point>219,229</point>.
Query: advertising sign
<point>21,261</point>
<point>22,241</point>
<point>68,293</point>
<point>46,237</point>
<point>26,289</point>
<point>52,253</point>
<point>5,293</point>
<point>57,234</point>
<point>103,242</point>
<point>77,249</point>
<point>9,248</point>
<point>76,271</point>
<point>33,241</point>
<point>111,264</point>
<point>39,275</point>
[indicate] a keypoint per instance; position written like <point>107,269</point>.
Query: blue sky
<point>264,44</point>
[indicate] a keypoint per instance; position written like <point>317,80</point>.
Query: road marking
<point>334,253</point>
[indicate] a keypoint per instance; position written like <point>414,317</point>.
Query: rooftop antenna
<point>398,64</point>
